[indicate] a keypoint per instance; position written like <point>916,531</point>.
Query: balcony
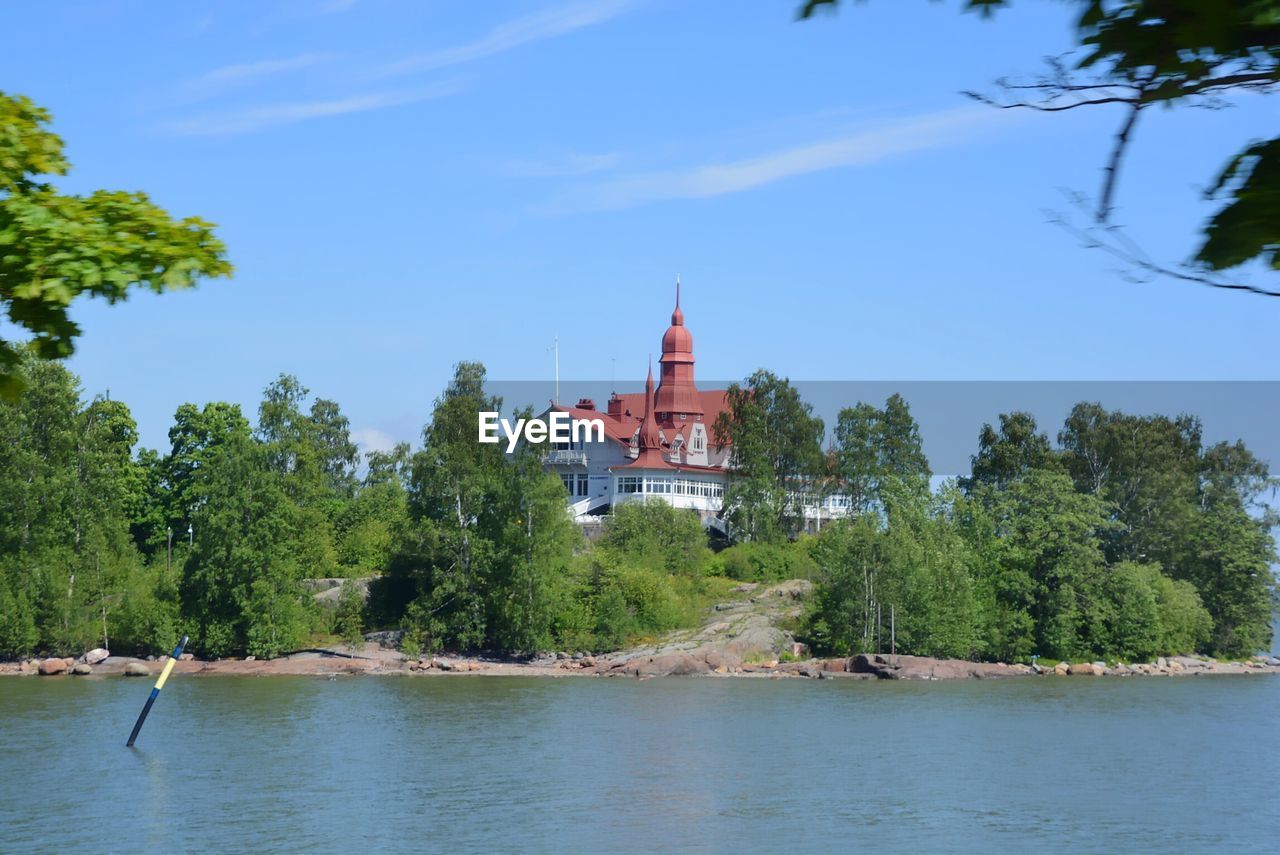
<point>565,457</point>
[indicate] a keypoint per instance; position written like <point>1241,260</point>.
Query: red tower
<point>677,397</point>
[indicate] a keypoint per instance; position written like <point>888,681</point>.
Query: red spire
<point>648,427</point>
<point>677,393</point>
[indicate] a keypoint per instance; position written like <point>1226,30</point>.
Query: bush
<point>767,562</point>
<point>348,617</point>
<point>658,535</point>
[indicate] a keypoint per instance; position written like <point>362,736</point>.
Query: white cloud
<point>274,115</point>
<point>568,165</point>
<point>535,27</point>
<point>229,76</point>
<point>372,439</point>
<point>862,148</point>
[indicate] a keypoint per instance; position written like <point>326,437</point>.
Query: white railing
<point>565,457</point>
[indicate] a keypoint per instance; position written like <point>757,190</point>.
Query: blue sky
<point>405,184</point>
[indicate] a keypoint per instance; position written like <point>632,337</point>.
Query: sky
<point>403,185</point>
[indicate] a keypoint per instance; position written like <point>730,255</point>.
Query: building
<point>660,444</point>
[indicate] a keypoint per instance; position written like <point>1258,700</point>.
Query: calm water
<point>441,764</point>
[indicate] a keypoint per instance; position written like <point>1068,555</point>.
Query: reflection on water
<point>579,764</point>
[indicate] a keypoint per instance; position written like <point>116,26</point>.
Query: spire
<point>648,426</point>
<point>677,317</point>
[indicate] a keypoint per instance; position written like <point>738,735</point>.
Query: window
<point>657,485</point>
<point>582,485</point>
<point>630,484</point>
<point>567,480</point>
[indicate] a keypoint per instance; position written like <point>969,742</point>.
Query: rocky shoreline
<point>719,663</point>
<point>740,638</point>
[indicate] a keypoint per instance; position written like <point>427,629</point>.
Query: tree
<point>239,587</point>
<point>56,247</point>
<point>1009,453</point>
<point>877,446</point>
<point>777,455</point>
<point>1139,54</point>
<point>446,549</point>
<point>670,539</point>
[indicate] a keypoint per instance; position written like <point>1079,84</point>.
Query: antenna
<point>556,347</point>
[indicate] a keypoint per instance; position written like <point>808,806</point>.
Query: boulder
<point>28,667</point>
<point>186,657</point>
<point>900,667</point>
<point>1062,669</point>
<point>137,669</point>
<point>1273,661</point>
<point>1162,663</point>
<point>82,668</point>
<point>94,656</point>
<point>1176,667</point>
<point>1086,669</point>
<point>50,667</point>
<point>834,665</point>
<point>722,661</point>
<point>663,665</point>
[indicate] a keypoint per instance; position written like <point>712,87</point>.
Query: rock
<point>721,660</point>
<point>1162,663</point>
<point>794,589</point>
<point>186,657</point>
<point>1087,669</point>
<point>28,667</point>
<point>1273,661</point>
<point>588,661</point>
<point>50,667</point>
<point>1176,668</point>
<point>1062,669</point>
<point>137,669</point>
<point>834,665</point>
<point>250,658</point>
<point>664,665</point>
<point>890,667</point>
<point>386,638</point>
<point>94,656</point>
<point>562,655</point>
<point>82,668</point>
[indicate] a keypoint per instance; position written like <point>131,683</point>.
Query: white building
<point>660,444</point>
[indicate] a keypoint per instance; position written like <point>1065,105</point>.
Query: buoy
<point>155,691</point>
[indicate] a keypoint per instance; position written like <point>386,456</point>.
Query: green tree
<point>348,619</point>
<point>776,455</point>
<point>56,247</point>
<point>669,539</point>
<point>1009,453</point>
<point>446,548</point>
<point>874,446</point>
<point>240,588</point>
<point>1140,54</point>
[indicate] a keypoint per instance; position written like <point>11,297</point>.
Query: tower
<point>677,395</point>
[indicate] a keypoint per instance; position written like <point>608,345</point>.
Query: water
<point>568,765</point>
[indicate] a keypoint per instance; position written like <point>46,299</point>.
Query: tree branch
<point>1112,169</point>
<point>1119,245</point>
